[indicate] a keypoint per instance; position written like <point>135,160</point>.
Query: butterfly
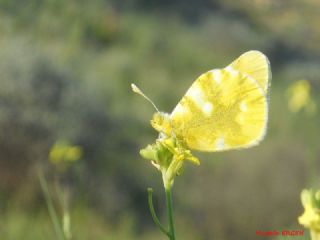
<point>223,109</point>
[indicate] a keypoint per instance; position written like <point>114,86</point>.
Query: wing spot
<point>180,109</point>
<point>232,71</point>
<point>196,94</point>
<point>207,108</point>
<point>220,143</point>
<point>216,75</point>
<point>243,106</point>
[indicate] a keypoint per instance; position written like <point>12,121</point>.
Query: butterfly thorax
<point>168,141</point>
<point>162,123</point>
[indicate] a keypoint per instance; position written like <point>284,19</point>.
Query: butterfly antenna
<point>138,91</point>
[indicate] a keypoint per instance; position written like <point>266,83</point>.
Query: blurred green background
<point>65,74</point>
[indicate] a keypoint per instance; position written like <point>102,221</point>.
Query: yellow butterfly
<point>223,109</point>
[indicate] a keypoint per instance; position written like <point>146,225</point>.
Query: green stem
<point>170,213</point>
<point>51,209</point>
<point>153,213</point>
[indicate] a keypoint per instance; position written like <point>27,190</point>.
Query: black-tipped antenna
<point>138,91</point>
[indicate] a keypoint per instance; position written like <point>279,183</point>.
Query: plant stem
<point>153,213</point>
<point>51,209</point>
<point>170,213</point>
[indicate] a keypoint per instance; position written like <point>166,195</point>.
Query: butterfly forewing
<point>223,109</point>
<point>256,65</point>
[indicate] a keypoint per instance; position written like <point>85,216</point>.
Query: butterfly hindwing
<point>223,109</point>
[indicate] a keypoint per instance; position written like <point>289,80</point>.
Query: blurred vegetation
<point>65,73</point>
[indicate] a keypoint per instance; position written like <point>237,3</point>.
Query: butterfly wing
<point>223,109</point>
<point>256,65</point>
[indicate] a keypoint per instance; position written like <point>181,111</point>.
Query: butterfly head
<point>162,123</point>
<point>168,153</point>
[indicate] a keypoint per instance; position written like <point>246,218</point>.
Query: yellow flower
<point>299,97</point>
<point>311,216</point>
<point>168,155</point>
<point>63,153</point>
<point>315,235</point>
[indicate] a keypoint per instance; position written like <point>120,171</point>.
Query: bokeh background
<point>65,74</point>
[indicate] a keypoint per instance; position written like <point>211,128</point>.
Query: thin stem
<point>170,213</point>
<point>51,209</point>
<point>153,213</point>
